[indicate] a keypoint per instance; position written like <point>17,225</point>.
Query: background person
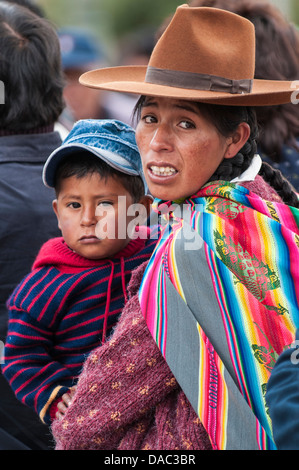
<point>80,51</point>
<point>283,398</point>
<point>30,68</point>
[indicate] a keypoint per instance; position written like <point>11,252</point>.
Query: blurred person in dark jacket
<point>32,85</point>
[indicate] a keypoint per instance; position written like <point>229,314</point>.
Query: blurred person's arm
<point>283,398</point>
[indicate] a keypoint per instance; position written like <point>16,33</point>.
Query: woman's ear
<point>237,140</point>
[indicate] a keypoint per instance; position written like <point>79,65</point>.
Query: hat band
<point>197,81</point>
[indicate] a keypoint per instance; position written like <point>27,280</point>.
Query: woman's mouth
<point>162,170</point>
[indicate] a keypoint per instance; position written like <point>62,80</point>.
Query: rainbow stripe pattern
<point>222,312</point>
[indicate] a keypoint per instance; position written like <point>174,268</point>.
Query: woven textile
<point>220,297</point>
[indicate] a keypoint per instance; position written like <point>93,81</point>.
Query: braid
<point>226,121</point>
<point>230,168</point>
<point>280,184</point>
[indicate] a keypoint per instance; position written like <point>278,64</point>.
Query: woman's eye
<point>187,125</point>
<point>149,119</point>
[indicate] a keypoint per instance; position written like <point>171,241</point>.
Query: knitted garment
<point>61,311</point>
<point>127,398</point>
<point>262,189</point>
<point>224,274</point>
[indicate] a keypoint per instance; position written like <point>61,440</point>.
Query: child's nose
<point>88,216</point>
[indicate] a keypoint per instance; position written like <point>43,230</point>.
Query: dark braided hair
<point>227,119</point>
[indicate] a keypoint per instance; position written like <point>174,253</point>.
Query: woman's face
<point>180,148</point>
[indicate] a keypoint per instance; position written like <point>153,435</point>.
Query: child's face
<point>76,206</point>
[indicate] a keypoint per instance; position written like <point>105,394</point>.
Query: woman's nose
<point>161,139</point>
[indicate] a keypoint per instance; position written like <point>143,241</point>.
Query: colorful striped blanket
<point>220,297</point>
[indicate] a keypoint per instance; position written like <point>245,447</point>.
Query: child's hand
<point>65,402</point>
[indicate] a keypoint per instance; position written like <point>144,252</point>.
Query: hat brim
<point>131,79</point>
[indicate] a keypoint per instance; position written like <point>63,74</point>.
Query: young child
<point>76,290</point>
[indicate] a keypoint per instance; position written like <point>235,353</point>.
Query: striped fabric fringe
<point>251,251</point>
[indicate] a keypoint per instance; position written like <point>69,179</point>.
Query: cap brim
<point>115,161</point>
<point>132,80</point>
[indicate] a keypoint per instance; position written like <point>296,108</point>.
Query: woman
<point>219,295</point>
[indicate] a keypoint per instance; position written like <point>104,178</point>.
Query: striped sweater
<point>63,309</point>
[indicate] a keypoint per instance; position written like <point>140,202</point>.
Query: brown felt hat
<point>205,54</point>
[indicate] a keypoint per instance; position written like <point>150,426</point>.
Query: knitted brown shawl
<point>127,398</point>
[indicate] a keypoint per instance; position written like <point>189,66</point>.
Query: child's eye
<point>74,205</point>
<point>105,203</point>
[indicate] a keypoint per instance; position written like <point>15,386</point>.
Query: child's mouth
<point>89,239</point>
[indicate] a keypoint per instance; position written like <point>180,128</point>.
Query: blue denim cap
<point>110,140</point>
